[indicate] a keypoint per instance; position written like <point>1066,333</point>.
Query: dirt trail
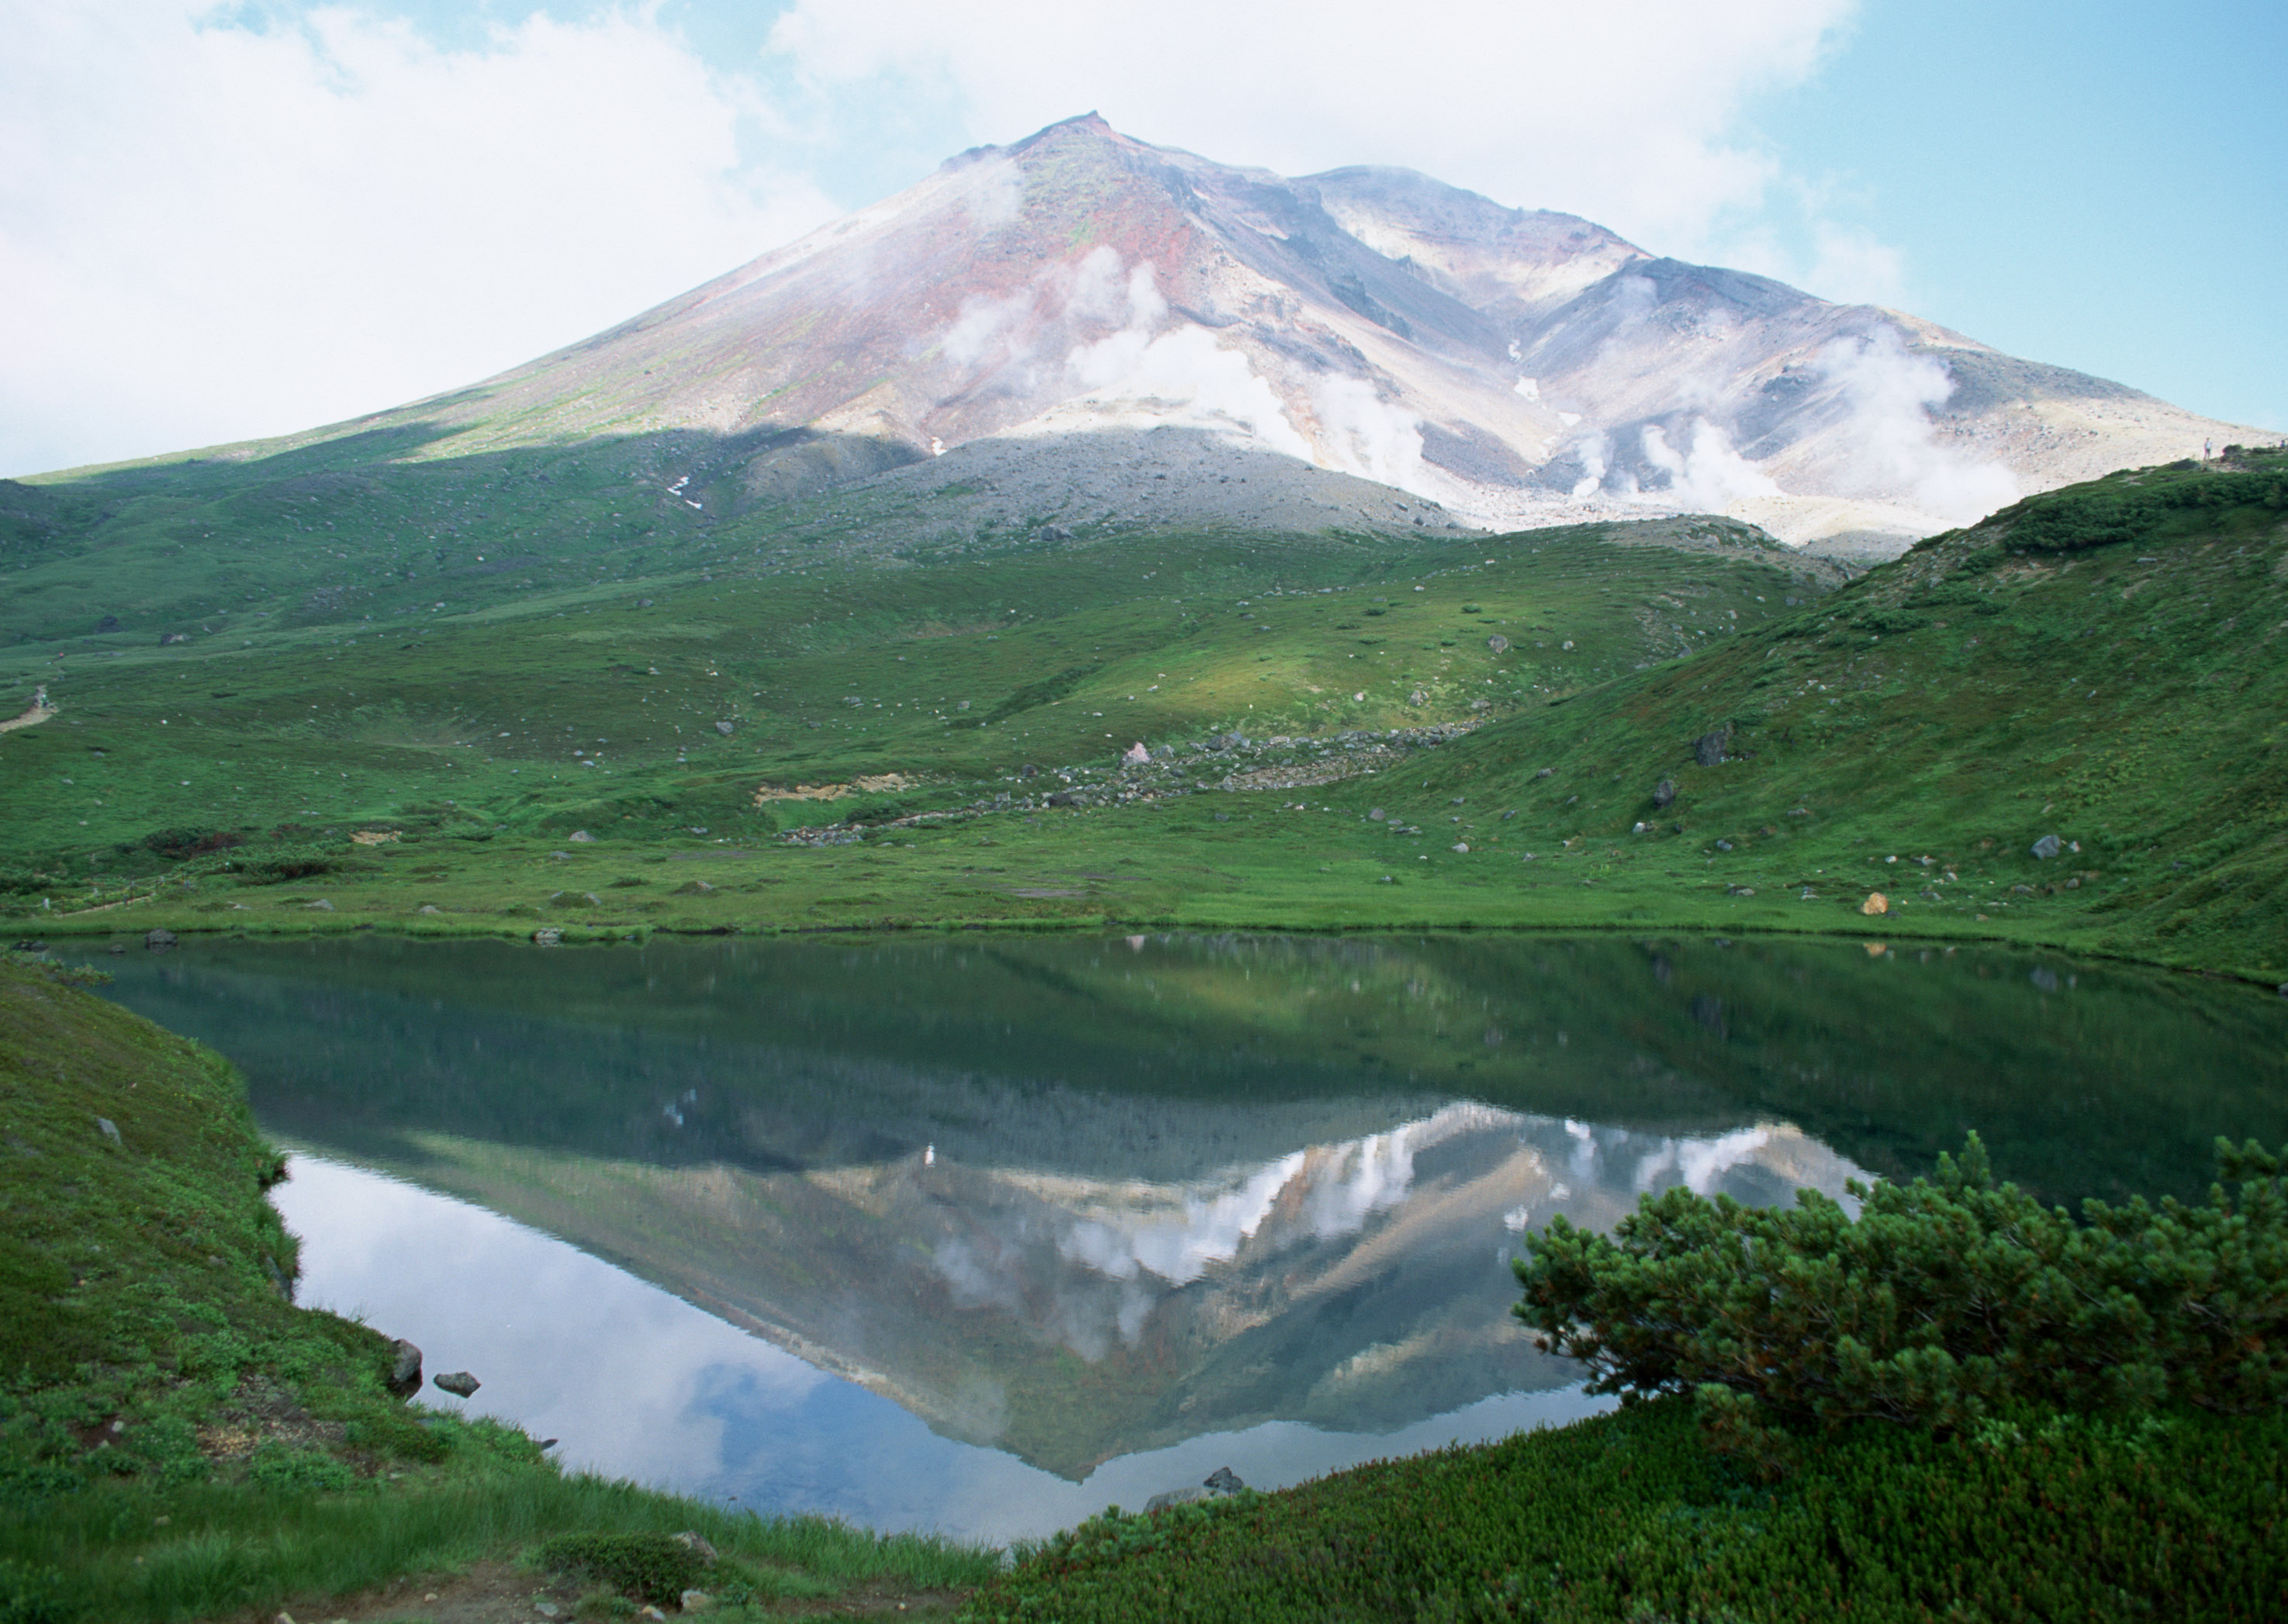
<point>41,711</point>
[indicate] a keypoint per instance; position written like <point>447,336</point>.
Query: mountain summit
<point>1518,366</point>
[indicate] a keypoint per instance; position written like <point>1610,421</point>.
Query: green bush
<point>1944,1301</point>
<point>34,1595</point>
<point>651,1567</point>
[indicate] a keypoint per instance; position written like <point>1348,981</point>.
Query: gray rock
<point>2046,847</point>
<point>1545,773</point>
<point>322,905</point>
<point>1221,1483</point>
<point>723,727</point>
<point>1497,643</point>
<point>1664,794</point>
<point>1375,814</point>
<point>109,1129</point>
<point>548,936</point>
<point>696,1544</point>
<point>581,837</point>
<point>695,1601</point>
<point>1418,697</point>
<point>459,1382</point>
<point>1029,771</point>
<point>404,1378</point>
<point>160,940</point>
<point>1708,749</point>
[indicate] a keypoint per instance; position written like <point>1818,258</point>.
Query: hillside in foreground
<point>807,737</point>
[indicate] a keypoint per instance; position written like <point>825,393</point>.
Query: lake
<point>981,1233</point>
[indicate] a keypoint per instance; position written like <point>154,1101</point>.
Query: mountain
<point>1516,367</point>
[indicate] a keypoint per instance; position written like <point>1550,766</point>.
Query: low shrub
<point>1942,1302</point>
<point>650,1567</point>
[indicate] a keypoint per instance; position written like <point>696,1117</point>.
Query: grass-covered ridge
<point>178,1440</point>
<point>2099,664</point>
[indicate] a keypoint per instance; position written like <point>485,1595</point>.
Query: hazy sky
<point>220,221</point>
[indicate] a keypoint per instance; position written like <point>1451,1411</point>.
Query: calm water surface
<point>984,1234</point>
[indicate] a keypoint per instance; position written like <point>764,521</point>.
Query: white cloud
<point>210,231</point>
<point>1706,473</point>
<point>1631,114</point>
<point>1896,452</point>
<point>1362,434</point>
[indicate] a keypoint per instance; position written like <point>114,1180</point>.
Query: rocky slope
<point>1517,368</point>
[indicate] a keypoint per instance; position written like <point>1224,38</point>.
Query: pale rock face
<point>1517,368</point>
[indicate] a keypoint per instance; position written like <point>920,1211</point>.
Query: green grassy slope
<point>178,1440</point>
<point>2103,665</point>
<point>2096,663</point>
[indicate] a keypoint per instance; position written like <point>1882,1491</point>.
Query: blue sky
<point>222,222</point>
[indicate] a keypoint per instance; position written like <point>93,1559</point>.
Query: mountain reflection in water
<point>1091,1205</point>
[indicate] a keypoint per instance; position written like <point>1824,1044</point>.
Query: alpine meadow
<point>1616,934</point>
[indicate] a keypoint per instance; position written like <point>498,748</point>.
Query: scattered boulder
<point>460,1383</point>
<point>109,1129</point>
<point>322,905</point>
<point>1221,1483</point>
<point>1876,903</point>
<point>581,837</point>
<point>430,907</point>
<point>1029,771</point>
<point>1052,533</point>
<point>695,1601</point>
<point>404,1378</point>
<point>1497,643</point>
<point>1481,704</point>
<point>692,888</point>
<point>158,941</point>
<point>1376,814</point>
<point>1708,749</point>
<point>2046,847</point>
<point>723,727</point>
<point>1545,773</point>
<point>1664,794</point>
<point>1136,755</point>
<point>696,1544</point>
<point>1418,697</point>
<point>548,936</point>
<point>1461,845</point>
<point>168,637</point>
